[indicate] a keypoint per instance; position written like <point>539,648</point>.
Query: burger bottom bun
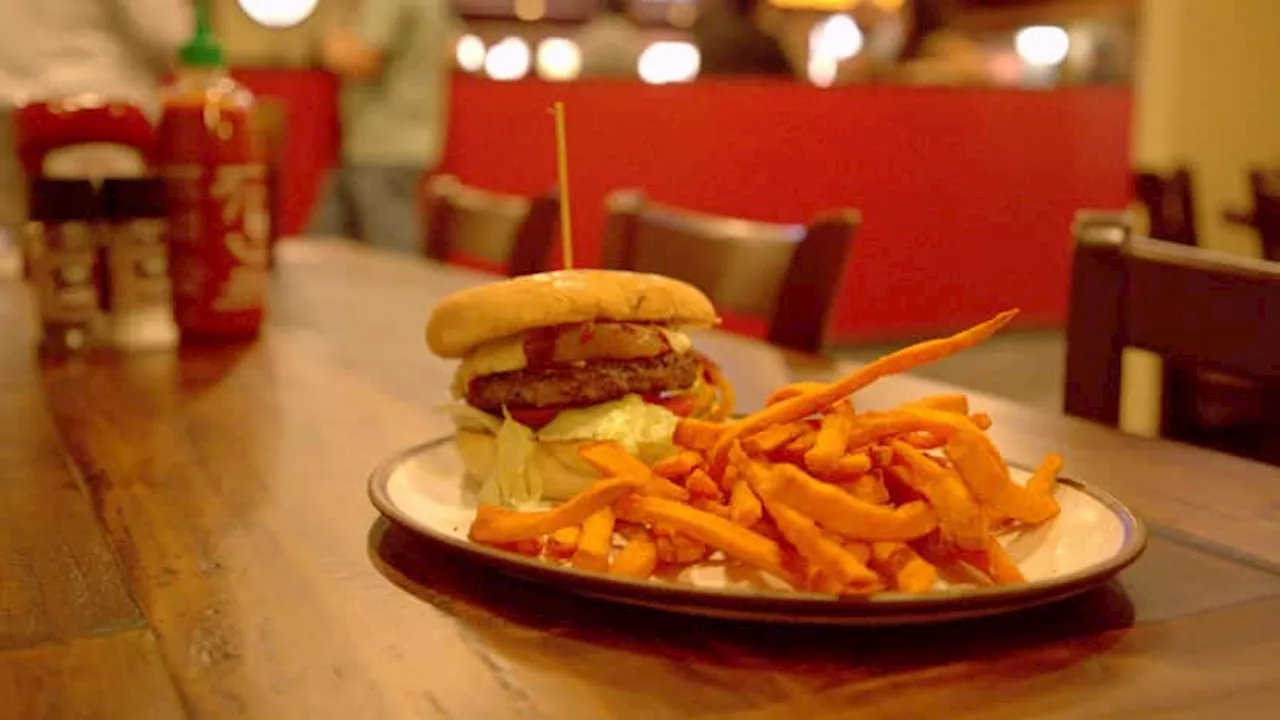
<point>563,472</point>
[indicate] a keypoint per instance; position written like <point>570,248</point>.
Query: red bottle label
<point>218,220</point>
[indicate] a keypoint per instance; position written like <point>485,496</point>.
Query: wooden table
<point>187,535</point>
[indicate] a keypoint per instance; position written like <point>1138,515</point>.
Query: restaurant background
<point>1077,93</point>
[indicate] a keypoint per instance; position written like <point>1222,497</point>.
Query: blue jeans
<point>376,204</point>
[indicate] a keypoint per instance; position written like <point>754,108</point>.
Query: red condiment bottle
<point>214,169</point>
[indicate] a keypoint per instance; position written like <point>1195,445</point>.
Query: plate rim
<point>689,598</point>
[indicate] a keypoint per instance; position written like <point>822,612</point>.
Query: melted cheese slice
<point>507,355</point>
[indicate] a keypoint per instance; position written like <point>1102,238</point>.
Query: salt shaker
<point>137,297</point>
<point>60,236</point>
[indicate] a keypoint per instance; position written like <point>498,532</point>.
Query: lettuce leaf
<point>515,481</point>
<point>645,430</point>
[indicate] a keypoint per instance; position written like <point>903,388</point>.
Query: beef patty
<point>587,383</point>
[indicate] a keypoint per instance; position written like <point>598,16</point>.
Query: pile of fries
<point>826,498</point>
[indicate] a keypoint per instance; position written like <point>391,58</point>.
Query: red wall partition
<point>967,194</point>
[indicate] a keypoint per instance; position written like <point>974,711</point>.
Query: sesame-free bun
<point>467,319</point>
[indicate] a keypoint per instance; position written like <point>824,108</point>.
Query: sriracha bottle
<point>214,169</point>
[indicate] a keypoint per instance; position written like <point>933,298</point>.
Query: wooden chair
<point>497,230</point>
<point>787,274</point>
<point>1266,209</point>
<point>1214,318</point>
<point>1170,203</point>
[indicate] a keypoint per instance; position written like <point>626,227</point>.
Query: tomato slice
<point>536,418</point>
<point>683,404</point>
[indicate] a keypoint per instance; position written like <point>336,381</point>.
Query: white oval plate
<point>1094,537</point>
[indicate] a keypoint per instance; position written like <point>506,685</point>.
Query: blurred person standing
<point>935,52</point>
<point>610,42</point>
<point>731,42</point>
<point>117,49</point>
<point>393,58</point>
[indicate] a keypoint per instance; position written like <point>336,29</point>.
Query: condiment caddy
<point>166,241</point>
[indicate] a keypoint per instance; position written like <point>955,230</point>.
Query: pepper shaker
<point>60,235</point>
<point>137,296</point>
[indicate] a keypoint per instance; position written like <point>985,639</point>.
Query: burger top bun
<point>470,318</point>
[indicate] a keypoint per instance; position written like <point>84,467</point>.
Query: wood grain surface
<point>229,484</point>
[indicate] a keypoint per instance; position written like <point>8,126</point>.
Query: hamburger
<point>554,360</point>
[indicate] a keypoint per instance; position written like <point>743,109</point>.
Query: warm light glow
<point>278,13</point>
<point>470,53</point>
<point>669,62</point>
<point>507,60</point>
<point>889,5</point>
<point>837,37</point>
<point>816,5</point>
<point>1042,45</point>
<point>559,59</point>
<point>822,70</point>
<point>531,10</point>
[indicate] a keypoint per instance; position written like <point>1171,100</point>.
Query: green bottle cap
<point>203,50</point>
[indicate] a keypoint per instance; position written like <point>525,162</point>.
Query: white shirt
<point>116,48</point>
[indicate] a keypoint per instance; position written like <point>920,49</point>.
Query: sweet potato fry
<point>1046,476</point>
<point>982,420</point>
<point>529,547</point>
<point>563,542</point>
<point>978,464</point>
<point>744,506</point>
<point>881,456</point>
<point>700,484</point>
<point>830,557</point>
<point>677,549</point>
<point>874,427</point>
<point>697,434</point>
<point>595,541</point>
<point>858,549</point>
<point>807,403</point>
<point>819,582</point>
<point>767,528</point>
<point>905,569</point>
<point>960,518</point>
<point>729,478</point>
<point>638,557</point>
<point>1001,567</point>
<point>733,540</point>
<point>994,562</point>
<point>950,402</point>
<point>794,451</point>
<point>832,440</point>
<point>773,437</point>
<point>715,507</point>
<point>677,466</point>
<point>498,526</point>
<point>849,468</point>
<point>839,511</point>
<point>868,487</point>
<point>786,392</point>
<point>924,440</point>
<point>610,459</point>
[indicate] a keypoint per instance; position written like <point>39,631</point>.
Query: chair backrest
<point>1170,203</point>
<point>1200,308</point>
<point>786,274</point>
<point>494,228</point>
<point>1266,209</point>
